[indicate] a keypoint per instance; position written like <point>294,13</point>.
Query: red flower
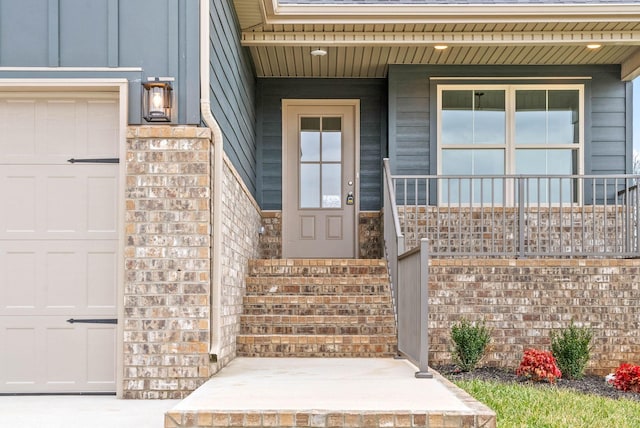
<point>627,378</point>
<point>539,365</point>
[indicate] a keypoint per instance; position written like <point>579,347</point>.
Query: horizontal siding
<point>232,89</point>
<point>409,135</point>
<point>373,113</point>
<point>609,145</point>
<point>412,139</point>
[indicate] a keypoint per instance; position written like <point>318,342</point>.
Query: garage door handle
<point>99,160</point>
<point>94,321</point>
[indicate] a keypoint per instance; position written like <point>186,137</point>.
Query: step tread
<point>330,299</point>
<point>314,338</point>
<point>315,329</point>
<point>316,319</point>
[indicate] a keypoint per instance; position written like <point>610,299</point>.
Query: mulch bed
<point>595,385</point>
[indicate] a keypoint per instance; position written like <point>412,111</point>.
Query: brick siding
<point>522,301</point>
<point>240,225</point>
<point>369,235</point>
<point>167,261</point>
<point>582,230</point>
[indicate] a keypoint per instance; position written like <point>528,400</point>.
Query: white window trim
<point>510,146</point>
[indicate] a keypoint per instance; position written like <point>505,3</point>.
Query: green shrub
<point>470,342</point>
<point>571,347</point>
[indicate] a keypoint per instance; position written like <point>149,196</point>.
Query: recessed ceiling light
<point>594,46</point>
<point>319,52</point>
<point>440,47</point>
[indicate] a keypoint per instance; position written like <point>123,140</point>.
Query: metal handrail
<point>393,238</point>
<point>410,283</point>
<point>520,215</point>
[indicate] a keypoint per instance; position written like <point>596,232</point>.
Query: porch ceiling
<point>362,40</point>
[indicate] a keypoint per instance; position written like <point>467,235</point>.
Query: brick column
<point>167,261</point>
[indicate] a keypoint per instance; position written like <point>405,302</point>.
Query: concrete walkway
<point>327,392</point>
<point>276,392</point>
<point>81,412</point>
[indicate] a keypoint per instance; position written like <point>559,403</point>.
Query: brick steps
<point>314,286</point>
<point>317,345</point>
<point>321,329</point>
<point>317,308</point>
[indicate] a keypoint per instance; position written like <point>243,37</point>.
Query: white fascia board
<point>398,13</point>
<point>631,66</point>
<point>417,39</point>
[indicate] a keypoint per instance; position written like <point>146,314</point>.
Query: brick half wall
<point>167,261</point>
<point>241,221</point>
<point>522,301</point>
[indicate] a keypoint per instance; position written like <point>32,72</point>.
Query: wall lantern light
<point>157,99</point>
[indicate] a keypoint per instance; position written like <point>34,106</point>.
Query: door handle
<point>94,321</point>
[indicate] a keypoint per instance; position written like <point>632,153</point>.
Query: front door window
<point>320,162</point>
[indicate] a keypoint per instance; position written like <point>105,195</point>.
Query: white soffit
<point>362,40</point>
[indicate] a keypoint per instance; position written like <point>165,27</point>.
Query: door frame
<point>355,103</point>
<point>121,86</point>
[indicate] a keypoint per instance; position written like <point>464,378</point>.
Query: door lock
<point>350,200</point>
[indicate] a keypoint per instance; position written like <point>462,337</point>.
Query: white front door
<point>320,180</point>
<point>58,242</point>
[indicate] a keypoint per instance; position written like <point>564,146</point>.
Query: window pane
<point>309,185</point>
<point>457,162</point>
<point>488,162</point>
<point>472,162</point>
<point>309,146</point>
<point>489,121</point>
<point>531,117</point>
<point>563,117</point>
<point>331,189</point>
<point>332,124</point>
<point>545,162</point>
<point>331,146</point>
<point>548,162</point>
<point>457,117</point>
<point>310,124</point>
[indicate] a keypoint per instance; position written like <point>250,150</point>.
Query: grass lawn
<point>519,405</point>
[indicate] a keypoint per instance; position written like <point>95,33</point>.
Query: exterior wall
<point>373,132</point>
<point>412,112</point>
<point>108,34</point>
<point>581,230</point>
<point>167,261</point>
<point>240,224</point>
<point>232,90</point>
<point>522,301</point>
<point>271,239</point>
<point>369,235</point>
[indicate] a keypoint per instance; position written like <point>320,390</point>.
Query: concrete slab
<point>280,387</point>
<point>81,412</point>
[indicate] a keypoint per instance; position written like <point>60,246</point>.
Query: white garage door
<point>58,242</point>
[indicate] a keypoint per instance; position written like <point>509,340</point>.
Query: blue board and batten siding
<point>232,90</point>
<point>412,111</point>
<point>161,37</point>
<point>372,94</point>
